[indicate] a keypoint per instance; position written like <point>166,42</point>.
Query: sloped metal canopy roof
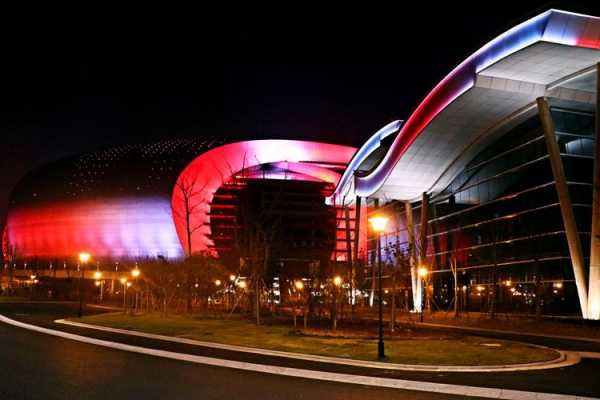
<point>553,54</point>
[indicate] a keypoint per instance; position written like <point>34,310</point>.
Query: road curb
<point>564,359</point>
<point>504,332</point>
<point>460,390</point>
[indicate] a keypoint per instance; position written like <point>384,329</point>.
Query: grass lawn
<point>12,299</point>
<point>463,350</point>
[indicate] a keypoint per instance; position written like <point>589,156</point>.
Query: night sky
<point>334,75</point>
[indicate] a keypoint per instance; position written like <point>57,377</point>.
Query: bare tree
<point>10,256</point>
<point>255,241</point>
<point>190,192</point>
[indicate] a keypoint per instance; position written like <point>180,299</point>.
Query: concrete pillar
<point>564,199</point>
<point>594,290</point>
<point>373,269</point>
<point>412,250</point>
<point>423,241</point>
<point>357,217</point>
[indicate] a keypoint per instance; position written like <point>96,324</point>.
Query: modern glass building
<point>491,186</point>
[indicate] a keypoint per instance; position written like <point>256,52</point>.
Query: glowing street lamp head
<point>84,257</point>
<point>218,282</point>
<point>123,281</point>
<point>337,281</point>
<point>242,285</point>
<point>97,275</point>
<point>97,283</point>
<point>423,272</point>
<point>128,284</point>
<point>232,277</point>
<point>299,285</point>
<point>135,272</point>
<point>378,223</point>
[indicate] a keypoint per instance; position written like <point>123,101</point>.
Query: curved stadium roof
<point>553,54</point>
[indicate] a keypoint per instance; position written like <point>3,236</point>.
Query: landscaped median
<point>405,347</point>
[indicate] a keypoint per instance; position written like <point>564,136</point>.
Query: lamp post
<point>337,282</point>
<point>378,223</point>
<point>83,259</point>
<point>136,273</point>
<point>99,283</point>
<point>231,291</point>
<point>124,283</point>
<point>423,274</point>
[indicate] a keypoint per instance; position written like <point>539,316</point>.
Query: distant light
<point>218,282</point>
<point>337,281</point>
<point>378,223</point>
<point>32,277</point>
<point>242,285</point>
<point>480,288</point>
<point>97,275</point>
<point>508,283</point>
<point>128,284</point>
<point>299,284</point>
<point>232,277</point>
<point>97,283</point>
<point>123,280</point>
<point>135,272</point>
<point>558,285</point>
<point>84,257</point>
<point>422,272</point>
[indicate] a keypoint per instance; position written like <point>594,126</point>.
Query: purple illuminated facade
<point>88,204</point>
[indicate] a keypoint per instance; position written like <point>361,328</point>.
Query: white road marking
<point>461,390</point>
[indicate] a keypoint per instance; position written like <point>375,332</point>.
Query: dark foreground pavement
<point>41,366</point>
<point>38,366</point>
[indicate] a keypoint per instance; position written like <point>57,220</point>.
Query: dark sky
<point>294,72</point>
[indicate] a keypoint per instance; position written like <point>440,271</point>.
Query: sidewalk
<point>560,328</point>
<point>564,335</point>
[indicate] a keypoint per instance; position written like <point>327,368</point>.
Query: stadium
<point>491,185</point>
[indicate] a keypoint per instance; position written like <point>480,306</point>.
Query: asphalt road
<point>34,365</point>
<point>38,366</point>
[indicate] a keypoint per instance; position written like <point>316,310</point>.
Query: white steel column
<point>412,250</point>
<point>564,199</point>
<point>594,282</point>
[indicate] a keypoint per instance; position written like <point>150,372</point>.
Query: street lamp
<point>136,273</point>
<point>124,283</point>
<point>423,273</point>
<point>84,257</point>
<point>337,281</point>
<point>378,223</point>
